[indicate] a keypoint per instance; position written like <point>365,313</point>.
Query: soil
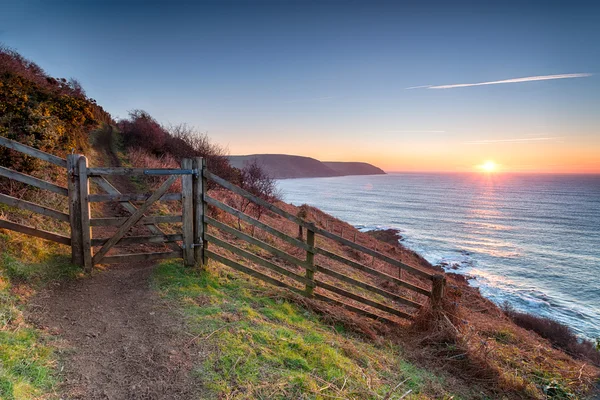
<point>120,339</point>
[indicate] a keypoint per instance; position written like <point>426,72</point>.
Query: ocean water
<point>531,240</point>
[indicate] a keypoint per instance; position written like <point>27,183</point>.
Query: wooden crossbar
<point>13,226</point>
<point>33,181</point>
<point>101,198</point>
<point>138,171</point>
<point>30,151</point>
<point>135,217</point>
<point>140,239</point>
<point>148,221</point>
<point>26,205</point>
<point>141,257</point>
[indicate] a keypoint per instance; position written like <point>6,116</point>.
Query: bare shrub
<point>558,334</point>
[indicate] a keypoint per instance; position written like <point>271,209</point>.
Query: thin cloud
<point>514,80</point>
<point>415,131</point>
<point>518,140</point>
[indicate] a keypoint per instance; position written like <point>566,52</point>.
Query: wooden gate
<point>187,244</point>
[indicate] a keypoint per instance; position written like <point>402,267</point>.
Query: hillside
<point>283,166</point>
<point>354,168</point>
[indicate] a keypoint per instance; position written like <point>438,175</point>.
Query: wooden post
<point>84,201</point>
<point>310,260</point>
<point>354,240</point>
<point>187,214</point>
<point>204,213</point>
<point>437,290</point>
<point>198,188</point>
<point>74,209</point>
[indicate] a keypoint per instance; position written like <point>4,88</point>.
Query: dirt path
<point>122,341</point>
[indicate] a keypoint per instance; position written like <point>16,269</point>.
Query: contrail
<point>514,80</point>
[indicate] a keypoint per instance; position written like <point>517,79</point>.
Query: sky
<point>407,86</point>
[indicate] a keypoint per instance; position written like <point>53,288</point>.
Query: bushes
<point>558,334</point>
<point>46,113</point>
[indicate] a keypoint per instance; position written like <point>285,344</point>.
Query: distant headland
<point>283,166</point>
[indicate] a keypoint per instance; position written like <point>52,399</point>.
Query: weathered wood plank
<point>129,207</point>
<point>216,203</point>
<point>254,241</point>
<point>26,205</point>
<point>74,209</point>
<point>142,257</point>
<point>317,230</point>
<point>372,271</point>
<point>13,226</point>
<point>30,151</point>
<point>367,286</point>
<point>135,217</point>
<point>187,210</point>
<point>84,201</point>
<point>258,260</point>
<point>140,239</point>
<point>371,252</point>
<point>310,261</point>
<point>99,198</point>
<point>204,213</point>
<point>363,300</point>
<point>355,310</point>
<point>249,271</point>
<point>148,221</point>
<point>198,189</point>
<point>137,171</point>
<point>33,181</point>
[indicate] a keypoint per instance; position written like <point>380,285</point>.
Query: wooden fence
<point>352,284</point>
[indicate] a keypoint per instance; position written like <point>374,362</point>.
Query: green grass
<point>27,358</point>
<point>255,344</point>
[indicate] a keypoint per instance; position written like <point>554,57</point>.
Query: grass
<point>27,357</point>
<point>256,344</point>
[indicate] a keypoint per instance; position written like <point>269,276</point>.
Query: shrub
<point>558,334</point>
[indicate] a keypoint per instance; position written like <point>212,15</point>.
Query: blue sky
<point>330,79</point>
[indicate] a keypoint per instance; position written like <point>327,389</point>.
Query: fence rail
<point>319,273</point>
<point>339,283</point>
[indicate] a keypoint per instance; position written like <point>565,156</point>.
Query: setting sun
<point>488,166</point>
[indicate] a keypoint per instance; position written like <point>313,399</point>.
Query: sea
<point>532,240</point>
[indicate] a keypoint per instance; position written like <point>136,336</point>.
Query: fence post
<point>84,201</point>
<point>204,213</point>
<point>310,260</point>
<point>74,209</point>
<point>198,188</point>
<point>187,214</point>
<point>437,290</point>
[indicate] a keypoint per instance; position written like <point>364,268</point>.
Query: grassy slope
<point>28,357</point>
<point>257,344</point>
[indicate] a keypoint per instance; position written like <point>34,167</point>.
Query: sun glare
<point>488,166</point>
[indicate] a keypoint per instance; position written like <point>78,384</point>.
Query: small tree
<point>258,182</point>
